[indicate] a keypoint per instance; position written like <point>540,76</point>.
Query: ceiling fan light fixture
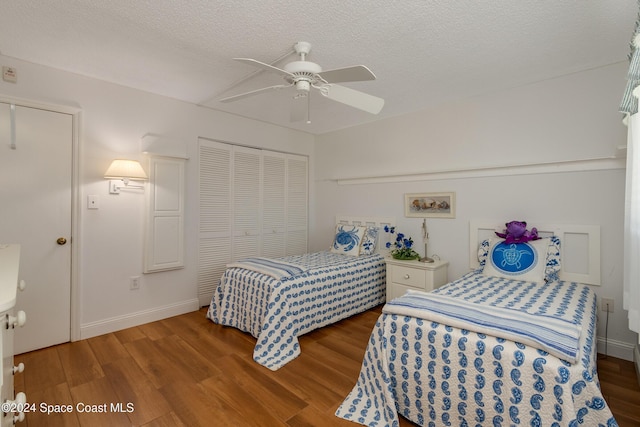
<point>303,86</point>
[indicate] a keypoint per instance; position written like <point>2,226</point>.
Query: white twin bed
<point>278,300</point>
<point>491,348</point>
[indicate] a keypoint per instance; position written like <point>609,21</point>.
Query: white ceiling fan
<point>305,75</point>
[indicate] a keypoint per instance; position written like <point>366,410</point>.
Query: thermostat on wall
<point>9,74</point>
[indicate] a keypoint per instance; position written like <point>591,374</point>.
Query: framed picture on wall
<point>430,205</point>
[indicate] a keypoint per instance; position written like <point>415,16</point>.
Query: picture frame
<point>430,205</point>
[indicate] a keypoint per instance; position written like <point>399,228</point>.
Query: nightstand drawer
<point>407,276</point>
<point>403,276</point>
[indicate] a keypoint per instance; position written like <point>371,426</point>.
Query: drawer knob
<point>19,320</point>
<point>18,418</point>
<point>22,285</point>
<point>20,399</point>
<point>19,368</point>
<point>406,276</point>
<point>19,403</point>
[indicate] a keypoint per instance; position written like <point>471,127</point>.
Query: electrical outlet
<point>134,283</point>
<point>93,202</point>
<point>607,304</point>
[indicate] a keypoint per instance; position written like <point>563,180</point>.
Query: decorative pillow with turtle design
<point>347,239</point>
<point>517,261</point>
<point>552,269</point>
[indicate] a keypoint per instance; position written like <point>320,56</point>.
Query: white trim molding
<point>636,358</point>
<point>101,327</point>
<point>620,349</point>
<point>603,163</point>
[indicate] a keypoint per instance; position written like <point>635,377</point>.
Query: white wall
<point>549,124</point>
<point>113,119</point>
<point>558,120</point>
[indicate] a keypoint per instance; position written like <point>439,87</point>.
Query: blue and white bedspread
<point>419,365</point>
<point>278,301</point>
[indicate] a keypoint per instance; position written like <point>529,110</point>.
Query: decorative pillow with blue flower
<point>552,270</point>
<point>347,239</point>
<point>369,241</point>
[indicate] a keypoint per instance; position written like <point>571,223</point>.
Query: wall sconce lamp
<point>121,172</point>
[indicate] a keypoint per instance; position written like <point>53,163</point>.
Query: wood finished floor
<point>187,371</point>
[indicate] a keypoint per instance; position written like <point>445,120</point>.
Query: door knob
<point>61,241</point>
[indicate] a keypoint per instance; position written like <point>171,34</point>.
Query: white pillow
<point>347,239</point>
<point>517,261</point>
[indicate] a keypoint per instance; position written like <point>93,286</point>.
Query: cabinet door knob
<point>19,403</point>
<point>19,320</point>
<point>406,276</point>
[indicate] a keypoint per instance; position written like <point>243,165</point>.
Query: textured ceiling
<point>423,52</point>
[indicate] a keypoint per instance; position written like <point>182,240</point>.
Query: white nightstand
<point>416,275</point>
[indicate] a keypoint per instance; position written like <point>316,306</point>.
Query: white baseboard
<point>620,349</point>
<point>101,327</point>
<point>636,358</point>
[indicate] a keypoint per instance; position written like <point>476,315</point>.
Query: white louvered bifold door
<point>252,203</point>
<point>214,251</point>
<point>297,204</point>
<point>273,205</point>
<point>246,202</point>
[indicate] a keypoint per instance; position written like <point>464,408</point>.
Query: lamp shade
<point>121,169</point>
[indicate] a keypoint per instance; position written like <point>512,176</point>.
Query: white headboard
<point>579,247</point>
<point>371,221</point>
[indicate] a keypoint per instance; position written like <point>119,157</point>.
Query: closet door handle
<point>61,241</point>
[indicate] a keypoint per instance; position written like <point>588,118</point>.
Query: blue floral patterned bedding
<point>331,287</point>
<point>438,375</point>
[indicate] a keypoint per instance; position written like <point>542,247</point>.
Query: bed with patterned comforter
<point>483,351</point>
<point>277,300</point>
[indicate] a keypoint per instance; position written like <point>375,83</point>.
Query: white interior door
<point>35,212</point>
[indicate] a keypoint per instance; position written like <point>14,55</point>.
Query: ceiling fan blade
<point>251,93</point>
<point>356,99</point>
<point>300,109</point>
<point>355,73</point>
<point>265,66</point>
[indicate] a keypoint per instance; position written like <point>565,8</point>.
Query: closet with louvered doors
<point>253,202</point>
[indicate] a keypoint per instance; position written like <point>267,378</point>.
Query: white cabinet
<point>164,232</point>
<point>9,266</point>
<point>416,275</point>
